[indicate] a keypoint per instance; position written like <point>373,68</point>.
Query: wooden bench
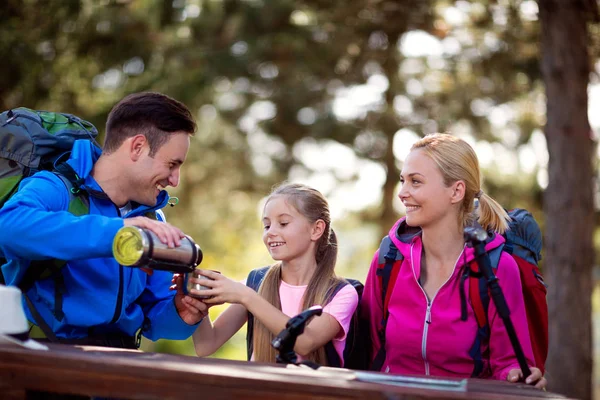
<point>108,372</point>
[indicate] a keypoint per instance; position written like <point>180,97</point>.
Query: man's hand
<point>167,233</point>
<point>190,310</point>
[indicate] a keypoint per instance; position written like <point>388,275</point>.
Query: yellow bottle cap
<point>128,245</point>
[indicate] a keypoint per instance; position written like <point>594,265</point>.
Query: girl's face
<point>286,233</point>
<point>426,198</point>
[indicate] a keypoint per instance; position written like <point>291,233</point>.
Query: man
<point>92,299</point>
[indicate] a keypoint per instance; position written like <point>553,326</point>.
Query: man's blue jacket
<point>99,293</point>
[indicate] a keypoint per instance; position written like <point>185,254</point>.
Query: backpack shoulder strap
<point>388,270</point>
<point>390,261</point>
<point>334,290</point>
<point>495,255</point>
<point>479,294</point>
<point>79,203</point>
<point>253,281</point>
<point>357,285</point>
<point>478,288</point>
<point>333,358</point>
<point>255,277</point>
<point>43,269</point>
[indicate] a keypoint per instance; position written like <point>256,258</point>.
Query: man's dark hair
<point>154,115</point>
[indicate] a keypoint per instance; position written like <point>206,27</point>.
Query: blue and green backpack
<point>32,141</point>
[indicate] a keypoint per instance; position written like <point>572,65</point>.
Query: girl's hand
<point>221,289</point>
<point>536,378</point>
<point>177,282</point>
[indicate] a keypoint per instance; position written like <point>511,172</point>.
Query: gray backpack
<point>31,141</point>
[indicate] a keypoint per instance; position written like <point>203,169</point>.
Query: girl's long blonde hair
<point>458,161</point>
<point>313,206</point>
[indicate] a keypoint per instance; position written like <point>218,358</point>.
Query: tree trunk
<point>568,200</point>
<point>389,124</point>
<point>388,214</point>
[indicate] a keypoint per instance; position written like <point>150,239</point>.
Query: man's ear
<point>137,146</point>
<point>458,192</point>
<point>317,230</point>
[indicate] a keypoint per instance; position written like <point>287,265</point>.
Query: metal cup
<point>189,285</point>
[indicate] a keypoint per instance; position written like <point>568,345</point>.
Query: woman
<point>425,333</point>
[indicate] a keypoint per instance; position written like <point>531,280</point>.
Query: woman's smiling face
<point>424,194</point>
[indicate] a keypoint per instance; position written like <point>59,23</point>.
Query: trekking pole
<point>477,236</point>
<point>286,340</point>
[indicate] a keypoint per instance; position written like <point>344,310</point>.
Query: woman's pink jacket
<point>428,337</point>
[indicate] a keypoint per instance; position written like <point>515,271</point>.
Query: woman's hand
<point>221,289</point>
<point>536,378</point>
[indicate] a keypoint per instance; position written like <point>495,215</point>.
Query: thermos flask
<point>137,247</point>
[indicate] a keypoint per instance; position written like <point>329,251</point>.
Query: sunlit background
<point>331,94</point>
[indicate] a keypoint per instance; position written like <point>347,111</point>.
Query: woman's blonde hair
<point>457,161</point>
<point>313,206</point>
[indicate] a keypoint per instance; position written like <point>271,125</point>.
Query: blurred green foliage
<point>266,77</point>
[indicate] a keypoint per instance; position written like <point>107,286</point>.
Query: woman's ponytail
<point>492,215</point>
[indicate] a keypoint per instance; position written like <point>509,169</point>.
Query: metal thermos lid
<point>128,245</point>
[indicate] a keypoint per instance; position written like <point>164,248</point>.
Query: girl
<point>299,237</point>
<point>425,333</point>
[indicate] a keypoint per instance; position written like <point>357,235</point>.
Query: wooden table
<point>131,374</point>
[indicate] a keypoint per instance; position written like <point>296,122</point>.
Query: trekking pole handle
<point>285,341</point>
<point>477,237</point>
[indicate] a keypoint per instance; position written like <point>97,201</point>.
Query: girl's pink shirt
<point>341,307</point>
<point>428,337</point>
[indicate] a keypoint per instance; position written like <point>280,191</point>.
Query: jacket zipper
<point>424,343</point>
<point>427,321</point>
<point>119,304</point>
